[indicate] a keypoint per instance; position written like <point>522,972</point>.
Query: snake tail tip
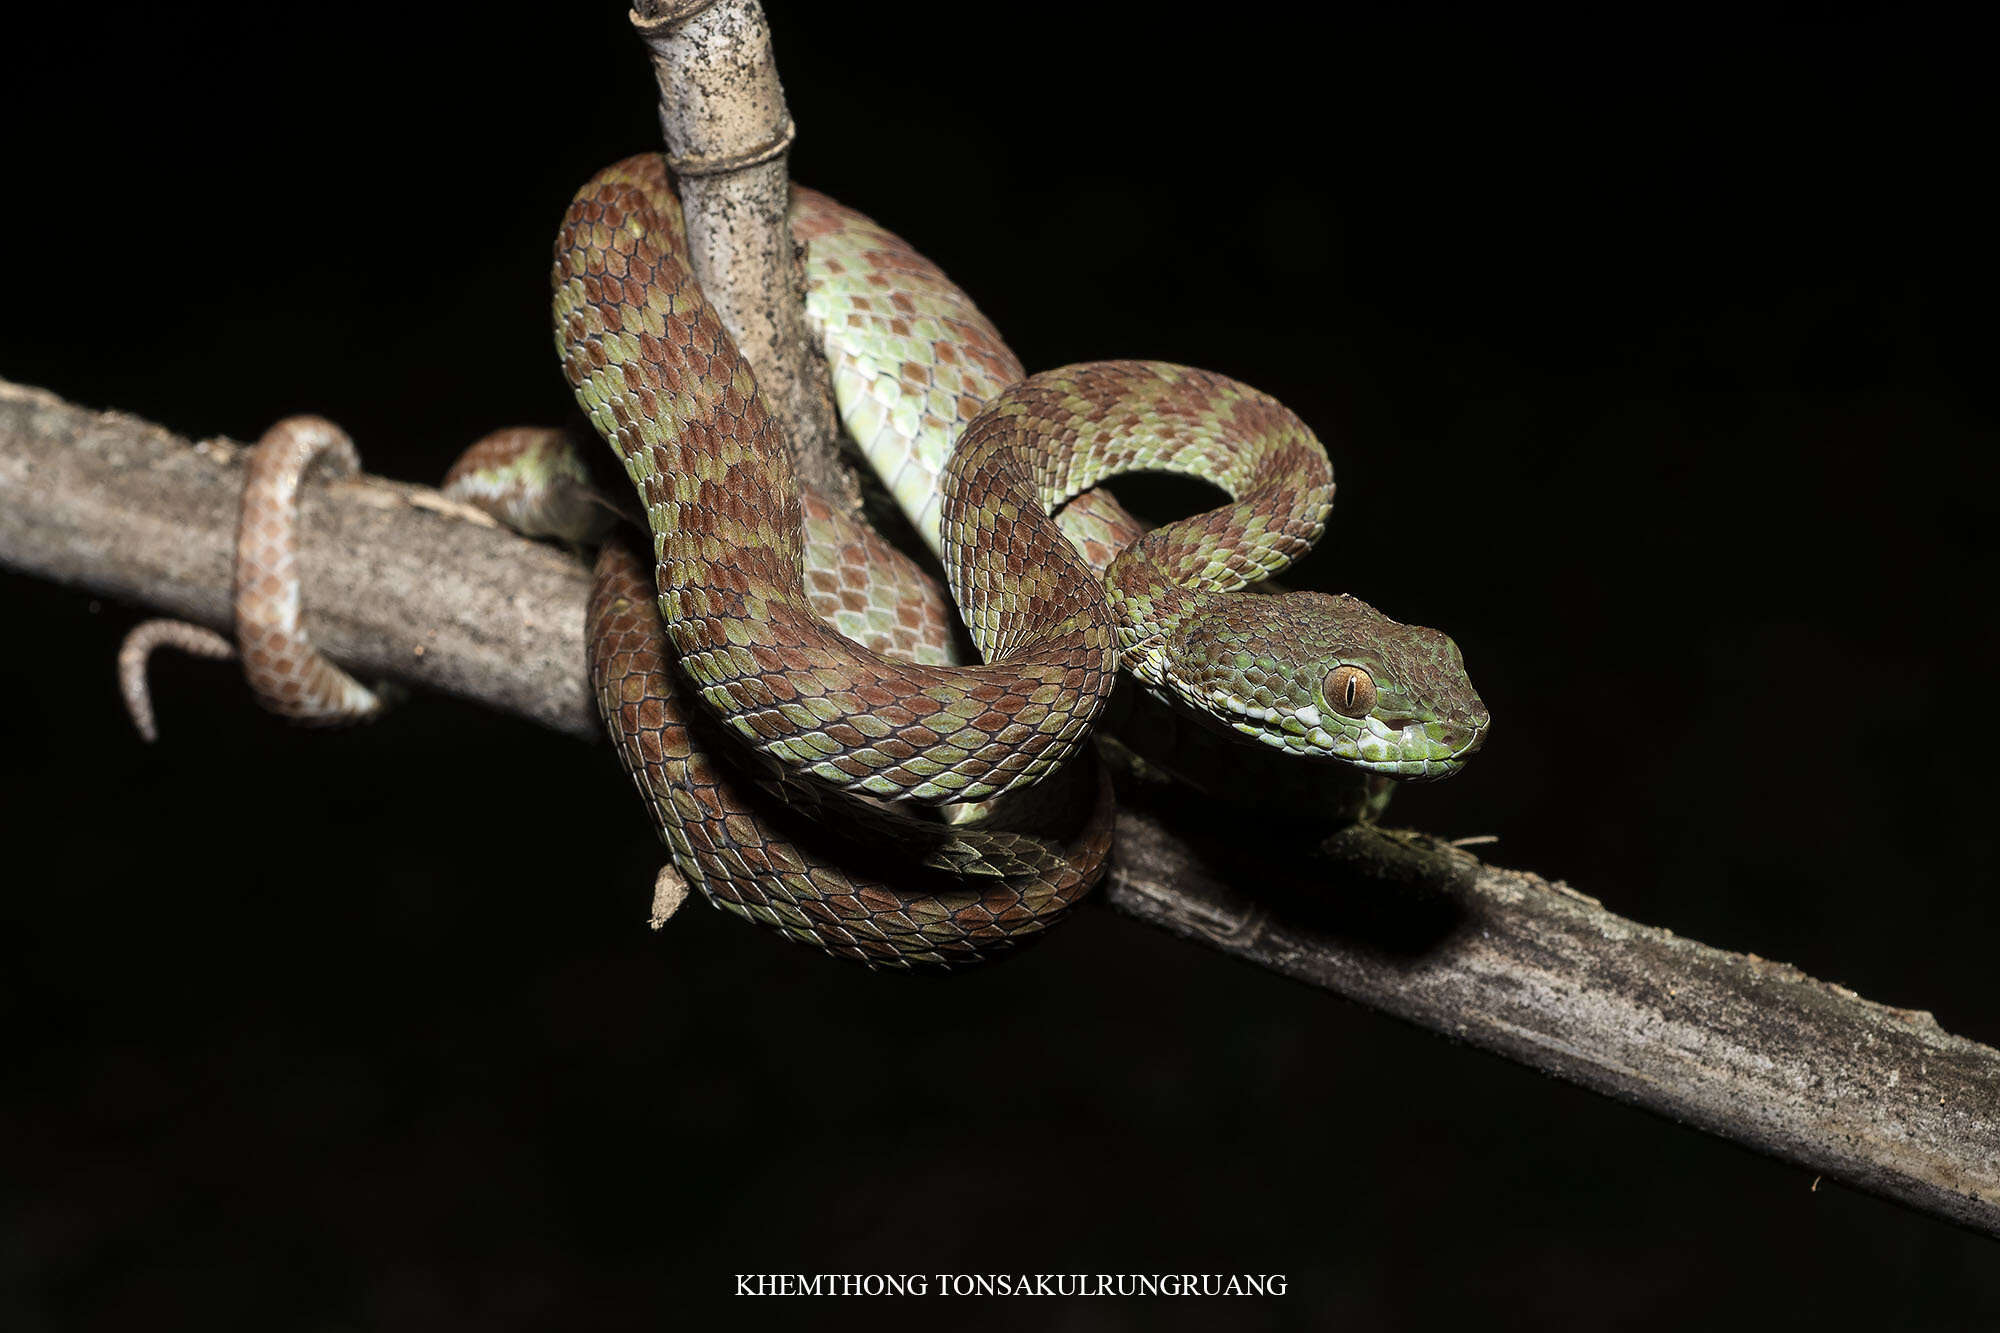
<point>136,652</point>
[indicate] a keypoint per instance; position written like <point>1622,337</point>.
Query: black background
<point>1653,358</point>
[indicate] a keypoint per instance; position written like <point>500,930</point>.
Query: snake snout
<point>1462,738</point>
<point>1445,745</point>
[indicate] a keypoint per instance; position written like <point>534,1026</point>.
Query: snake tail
<point>285,672</point>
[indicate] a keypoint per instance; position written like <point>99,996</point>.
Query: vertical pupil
<point>1350,690</point>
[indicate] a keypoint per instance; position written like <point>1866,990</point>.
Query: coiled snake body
<point>824,654</point>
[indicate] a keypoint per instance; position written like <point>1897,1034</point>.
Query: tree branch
<point>728,134</point>
<point>401,583</point>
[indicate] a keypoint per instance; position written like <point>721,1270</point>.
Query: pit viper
<point>783,688</point>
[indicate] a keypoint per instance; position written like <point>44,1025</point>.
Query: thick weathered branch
<point>402,584</point>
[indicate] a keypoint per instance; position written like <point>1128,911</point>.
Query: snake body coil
<point>661,380</point>
<point>786,624</point>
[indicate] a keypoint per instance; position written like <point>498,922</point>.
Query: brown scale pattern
<point>969,344</point>
<point>533,479</point>
<point>1093,421</point>
<point>285,671</point>
<point>662,382</point>
<point>792,873</point>
<point>869,590</point>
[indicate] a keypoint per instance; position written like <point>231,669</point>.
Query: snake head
<point>1328,677</point>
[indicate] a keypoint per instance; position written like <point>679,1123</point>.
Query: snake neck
<point>1152,612</point>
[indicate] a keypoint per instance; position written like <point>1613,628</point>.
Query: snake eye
<point>1349,691</point>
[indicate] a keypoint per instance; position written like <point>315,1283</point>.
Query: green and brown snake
<point>783,685</point>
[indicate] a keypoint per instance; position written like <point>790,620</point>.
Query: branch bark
<point>402,583</point>
<point>728,135</point>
